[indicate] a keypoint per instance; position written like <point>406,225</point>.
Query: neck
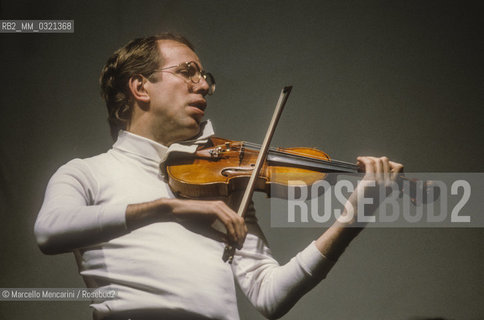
<point>152,126</point>
<point>144,131</point>
<point>141,124</point>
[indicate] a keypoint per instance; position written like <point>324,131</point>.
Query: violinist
<point>130,233</point>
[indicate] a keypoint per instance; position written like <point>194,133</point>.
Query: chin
<point>192,131</point>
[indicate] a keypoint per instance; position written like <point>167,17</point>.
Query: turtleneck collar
<point>152,150</point>
<point>140,146</point>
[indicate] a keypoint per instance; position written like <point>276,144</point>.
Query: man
<point>130,233</point>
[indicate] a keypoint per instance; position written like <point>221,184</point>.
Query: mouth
<point>197,109</point>
<point>199,104</point>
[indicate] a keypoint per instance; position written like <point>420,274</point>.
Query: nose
<point>201,87</point>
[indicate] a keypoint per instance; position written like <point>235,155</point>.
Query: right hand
<point>212,210</point>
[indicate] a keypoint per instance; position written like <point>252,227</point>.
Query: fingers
<point>234,225</point>
<point>382,170</point>
<point>396,169</point>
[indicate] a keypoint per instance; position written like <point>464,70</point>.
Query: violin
<point>223,166</point>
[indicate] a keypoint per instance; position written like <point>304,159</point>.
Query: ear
<point>137,88</point>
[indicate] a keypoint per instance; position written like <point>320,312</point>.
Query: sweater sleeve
<point>274,289</point>
<point>68,218</point>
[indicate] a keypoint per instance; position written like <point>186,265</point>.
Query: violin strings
<point>296,155</point>
<point>319,162</point>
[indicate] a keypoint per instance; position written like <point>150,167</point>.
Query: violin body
<point>223,166</point>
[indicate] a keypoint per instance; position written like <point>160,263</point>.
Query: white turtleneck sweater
<point>164,266</point>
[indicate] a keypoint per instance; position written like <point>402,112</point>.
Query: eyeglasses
<point>191,71</point>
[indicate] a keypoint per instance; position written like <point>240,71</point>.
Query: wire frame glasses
<point>190,71</point>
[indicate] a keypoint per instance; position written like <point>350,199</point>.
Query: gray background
<point>402,78</point>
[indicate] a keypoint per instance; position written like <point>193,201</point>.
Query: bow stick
<point>229,250</point>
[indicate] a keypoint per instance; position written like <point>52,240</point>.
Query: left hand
<point>381,170</point>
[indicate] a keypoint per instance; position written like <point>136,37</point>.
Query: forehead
<point>174,53</point>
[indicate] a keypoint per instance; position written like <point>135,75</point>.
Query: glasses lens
<point>189,72</point>
<point>211,82</point>
<point>193,72</point>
